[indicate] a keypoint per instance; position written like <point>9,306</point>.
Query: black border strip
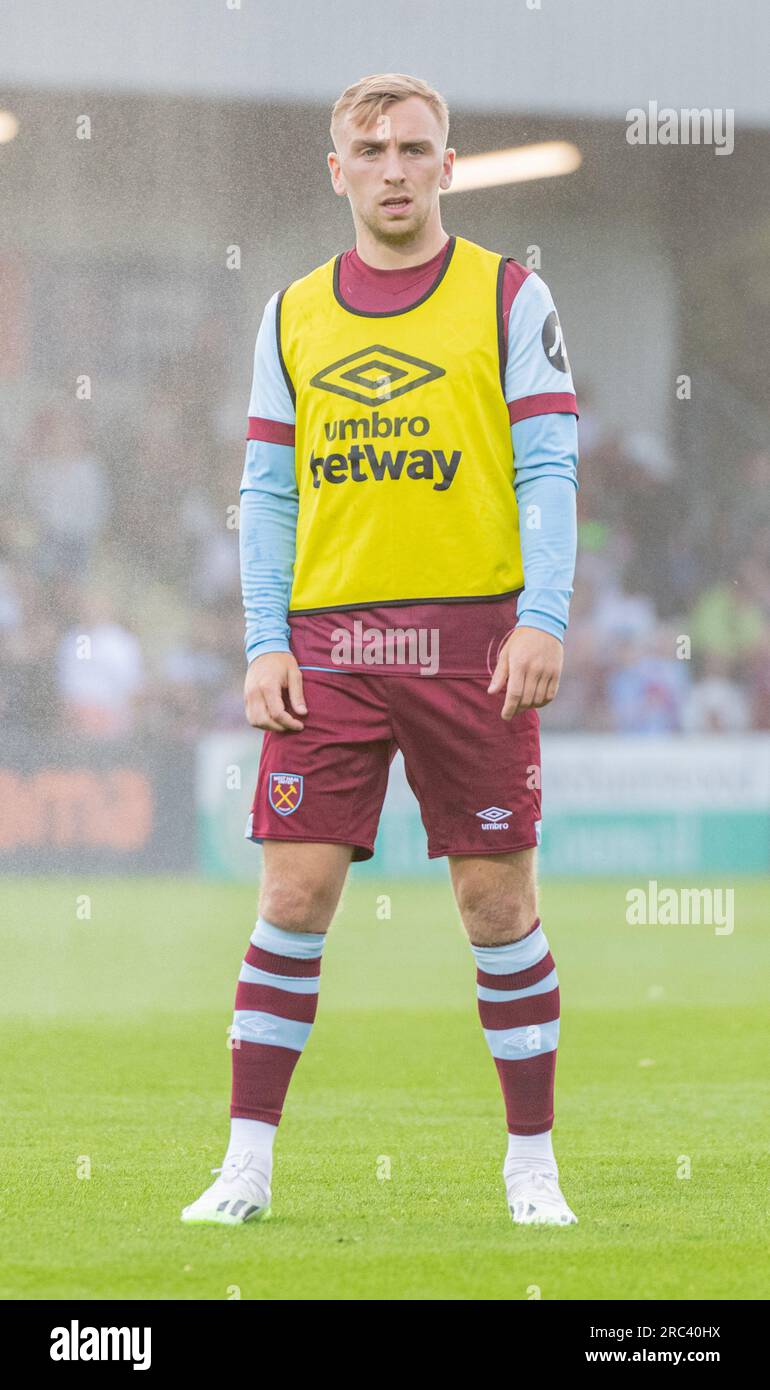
<point>390,313</point>
<point>284,368</point>
<point>402,603</point>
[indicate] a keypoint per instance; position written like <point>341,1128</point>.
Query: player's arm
<point>543,414</point>
<point>268,525</point>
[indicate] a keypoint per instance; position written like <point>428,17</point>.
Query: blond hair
<point>370,96</point>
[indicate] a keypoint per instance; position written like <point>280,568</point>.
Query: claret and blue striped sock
<point>518,1000</point>
<point>275,1007</point>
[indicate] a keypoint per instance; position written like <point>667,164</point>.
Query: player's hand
<point>528,669</point>
<point>267,678</point>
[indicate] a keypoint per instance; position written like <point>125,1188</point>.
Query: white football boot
<point>241,1193</point>
<point>534,1195</point>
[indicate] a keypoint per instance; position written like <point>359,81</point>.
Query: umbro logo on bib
<point>376,374</point>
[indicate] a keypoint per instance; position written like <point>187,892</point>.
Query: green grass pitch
<point>388,1180</point>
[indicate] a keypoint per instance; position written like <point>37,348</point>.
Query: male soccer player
<point>407,556</point>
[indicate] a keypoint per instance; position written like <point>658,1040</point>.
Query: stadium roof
<point>594,58</point>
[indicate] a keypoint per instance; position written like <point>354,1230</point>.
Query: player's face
<point>392,170</point>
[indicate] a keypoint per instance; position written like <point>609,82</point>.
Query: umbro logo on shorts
<point>494,818</point>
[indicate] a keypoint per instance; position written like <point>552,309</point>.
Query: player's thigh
<point>325,784</point>
<point>475,775</point>
<point>301,883</point>
<point>496,894</point>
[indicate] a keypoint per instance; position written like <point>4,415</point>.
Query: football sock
<point>275,1006</point>
<point>526,1148</point>
<point>518,1000</point>
<point>254,1135</point>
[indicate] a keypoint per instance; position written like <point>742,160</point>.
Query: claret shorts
<point>475,775</point>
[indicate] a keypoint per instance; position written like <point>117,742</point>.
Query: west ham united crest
<point>285,792</point>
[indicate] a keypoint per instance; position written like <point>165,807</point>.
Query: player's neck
<point>381,256</point>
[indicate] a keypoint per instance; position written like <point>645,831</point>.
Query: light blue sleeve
<point>537,364</point>
<point>546,455</point>
<point>268,528</point>
<point>269,505</point>
<point>541,400</point>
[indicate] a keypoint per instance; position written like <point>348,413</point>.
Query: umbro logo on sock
<point>256,1028</point>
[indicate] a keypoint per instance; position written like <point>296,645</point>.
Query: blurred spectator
<point>100,672</point>
<point>10,598</point>
<point>620,617</point>
<point>726,623</point>
<point>647,692</point>
<point>67,491</point>
<point>28,697</point>
<point>759,690</point>
<point>749,499</point>
<point>717,704</point>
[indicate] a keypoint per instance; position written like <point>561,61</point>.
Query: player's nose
<point>393,172</point>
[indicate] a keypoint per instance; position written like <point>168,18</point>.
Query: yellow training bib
<point>403,444</point>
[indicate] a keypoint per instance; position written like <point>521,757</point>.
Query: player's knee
<point>493,914</point>
<point>496,927</point>
<point>302,904</point>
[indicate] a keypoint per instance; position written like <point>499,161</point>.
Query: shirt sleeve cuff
<point>268,644</point>
<point>543,621</point>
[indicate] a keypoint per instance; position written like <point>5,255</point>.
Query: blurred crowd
<point>120,607</point>
<point>670,618</point>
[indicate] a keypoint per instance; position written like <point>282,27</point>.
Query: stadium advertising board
<point>109,808</point>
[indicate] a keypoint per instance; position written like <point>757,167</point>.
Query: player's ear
<point>445,180</point>
<point>338,183</point>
